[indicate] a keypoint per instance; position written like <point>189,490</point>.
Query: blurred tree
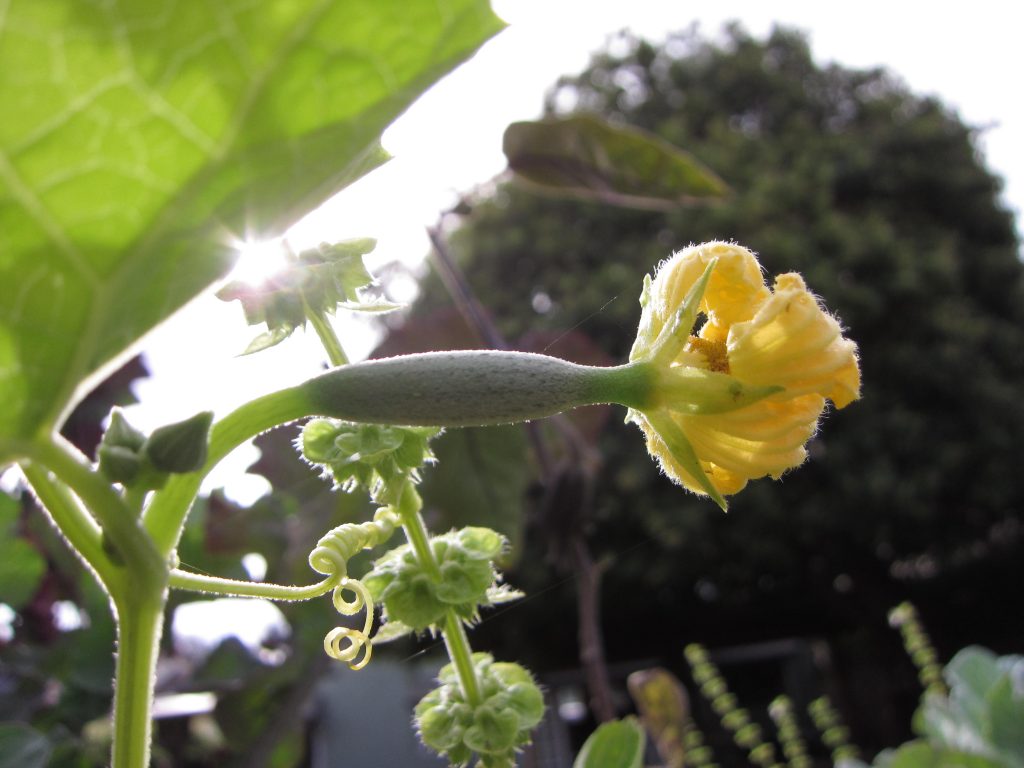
<point>880,198</point>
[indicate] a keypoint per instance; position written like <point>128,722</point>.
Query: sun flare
<point>258,260</point>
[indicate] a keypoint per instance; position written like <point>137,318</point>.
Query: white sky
<point>450,141</point>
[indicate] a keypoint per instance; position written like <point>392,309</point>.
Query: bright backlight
<point>258,260</point>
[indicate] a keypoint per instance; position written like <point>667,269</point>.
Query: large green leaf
<point>140,138</point>
<point>586,157</point>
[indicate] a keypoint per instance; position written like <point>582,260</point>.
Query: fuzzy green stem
<point>324,329</point>
<point>139,625</point>
<point>165,516</point>
<point>416,531</point>
<point>459,651</point>
<point>135,499</point>
<point>196,582</point>
<point>136,584</point>
<point>454,633</point>
<point>119,525</point>
<point>74,523</point>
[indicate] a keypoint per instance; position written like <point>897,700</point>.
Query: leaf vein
<point>42,216</point>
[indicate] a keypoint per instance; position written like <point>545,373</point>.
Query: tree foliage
<point>881,199</point>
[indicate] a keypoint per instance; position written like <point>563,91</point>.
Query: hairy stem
<point>459,651</point>
<point>196,582</point>
<point>119,525</point>
<point>136,579</point>
<point>416,531</point>
<point>139,626</point>
<point>454,633</point>
<point>165,516</point>
<point>324,330</point>
<point>74,522</point>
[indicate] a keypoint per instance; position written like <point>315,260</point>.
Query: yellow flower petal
<point>724,482</point>
<point>727,442</point>
<point>734,293</point>
<point>792,342</point>
<point>761,338</point>
<point>736,289</point>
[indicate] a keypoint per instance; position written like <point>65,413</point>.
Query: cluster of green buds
<point>127,456</point>
<point>419,599</point>
<point>495,726</point>
<point>385,462</point>
<point>431,584</point>
<point>381,459</point>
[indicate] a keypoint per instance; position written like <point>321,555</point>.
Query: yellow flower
<point>778,346</point>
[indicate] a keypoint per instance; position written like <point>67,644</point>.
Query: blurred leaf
<point>9,511</point>
<point>1006,716</point>
<point>920,754</point>
<point>267,339</point>
<point>151,135</point>
<point>618,744</point>
<point>290,751</point>
<point>21,564</point>
<point>586,157</point>
<point>664,708</point>
<point>984,710</point>
<point>971,674</point>
<point>22,747</point>
<point>480,478</point>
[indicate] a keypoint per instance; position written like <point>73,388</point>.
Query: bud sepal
<point>496,728</point>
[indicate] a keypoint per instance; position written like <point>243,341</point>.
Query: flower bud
<point>494,728</point>
<point>180,447</point>
<point>412,597</point>
<point>375,457</point>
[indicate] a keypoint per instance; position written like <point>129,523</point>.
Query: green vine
<point>125,514</point>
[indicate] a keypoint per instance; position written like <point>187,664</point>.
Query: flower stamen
<point>713,352</point>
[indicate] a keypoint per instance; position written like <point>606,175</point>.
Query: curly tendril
<point>337,546</point>
<point>330,558</point>
<point>358,640</point>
